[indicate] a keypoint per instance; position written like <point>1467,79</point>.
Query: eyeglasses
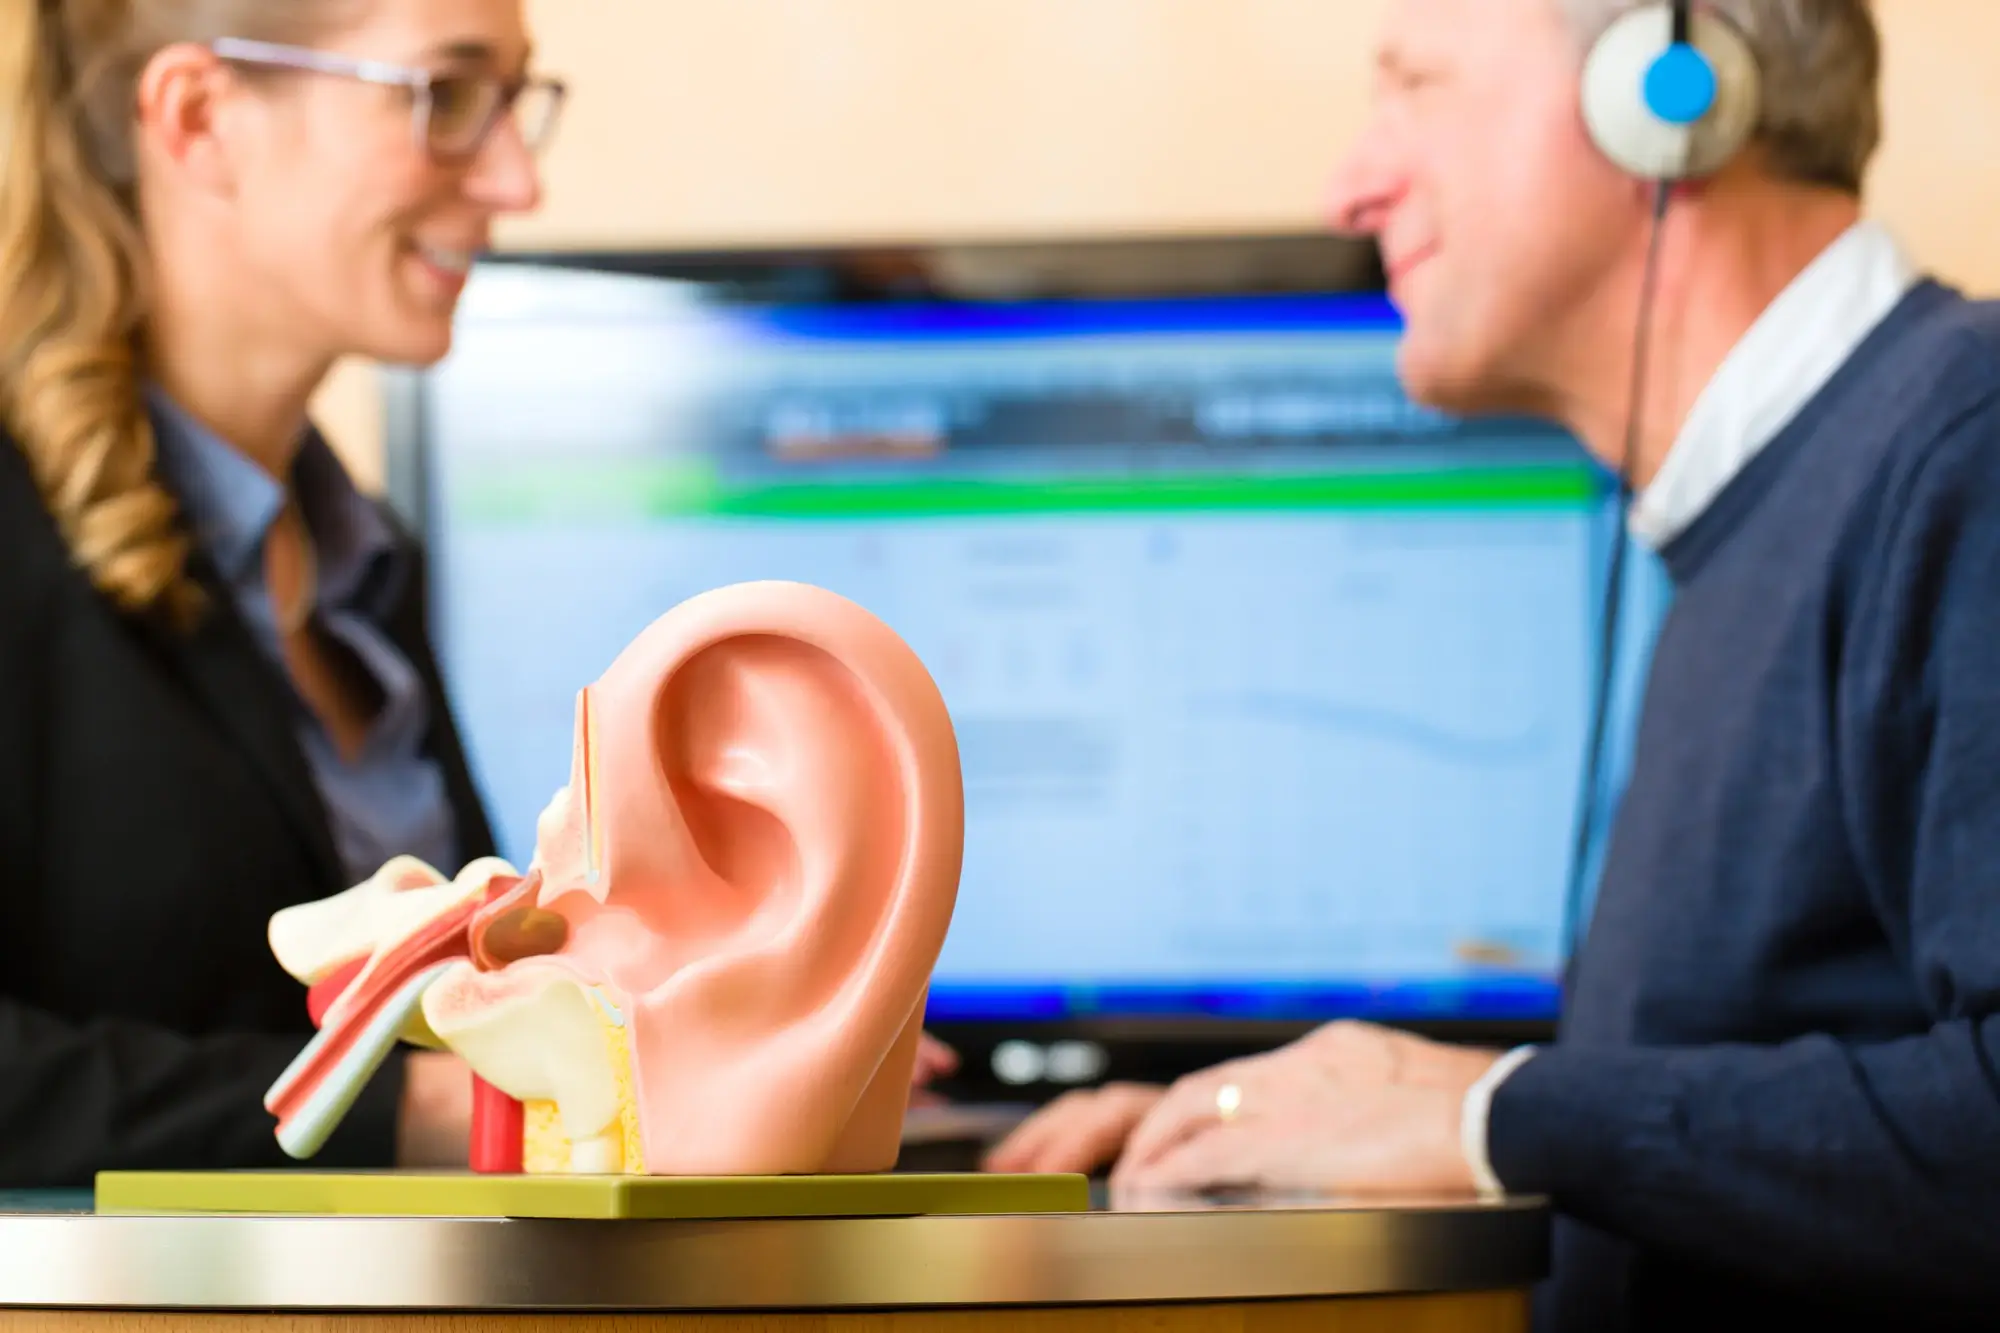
<point>453,112</point>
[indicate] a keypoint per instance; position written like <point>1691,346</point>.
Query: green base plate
<point>465,1194</point>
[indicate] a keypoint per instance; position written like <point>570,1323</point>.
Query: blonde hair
<point>73,271</point>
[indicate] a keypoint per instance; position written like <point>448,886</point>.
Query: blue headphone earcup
<point>1664,112</point>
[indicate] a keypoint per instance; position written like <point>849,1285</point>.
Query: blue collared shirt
<point>390,800</point>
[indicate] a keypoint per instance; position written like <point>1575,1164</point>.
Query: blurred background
<point>1015,320</point>
<point>779,121</point>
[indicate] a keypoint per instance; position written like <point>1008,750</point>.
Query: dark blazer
<point>155,810</point>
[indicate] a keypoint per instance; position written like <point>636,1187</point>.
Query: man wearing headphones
<point>1777,1085</point>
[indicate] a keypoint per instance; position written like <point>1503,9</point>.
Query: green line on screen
<point>657,491</point>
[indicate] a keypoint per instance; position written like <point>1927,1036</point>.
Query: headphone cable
<point>1608,620</point>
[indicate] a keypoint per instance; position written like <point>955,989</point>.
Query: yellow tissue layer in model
<point>545,1148</point>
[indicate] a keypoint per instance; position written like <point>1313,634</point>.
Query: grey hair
<point>1820,63</point>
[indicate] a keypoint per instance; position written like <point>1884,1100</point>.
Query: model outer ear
<point>759,857</point>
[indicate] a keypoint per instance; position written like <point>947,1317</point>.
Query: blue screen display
<point>1270,687</point>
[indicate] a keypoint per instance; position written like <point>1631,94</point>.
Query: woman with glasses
<point>217,697</point>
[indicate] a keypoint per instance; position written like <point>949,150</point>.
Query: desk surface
<point>1139,1251</point>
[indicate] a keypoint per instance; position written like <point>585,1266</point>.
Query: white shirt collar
<point>1786,358</point>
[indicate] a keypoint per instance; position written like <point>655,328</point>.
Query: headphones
<point>1669,95</point>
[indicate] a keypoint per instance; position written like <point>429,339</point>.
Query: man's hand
<point>1077,1132</point>
<point>1350,1109</point>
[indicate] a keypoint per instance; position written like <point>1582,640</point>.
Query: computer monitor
<point>1271,687</point>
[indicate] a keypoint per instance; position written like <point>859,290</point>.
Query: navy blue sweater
<point>1776,1088</point>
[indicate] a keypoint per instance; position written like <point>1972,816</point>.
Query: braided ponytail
<point>73,270</point>
<point>71,301</point>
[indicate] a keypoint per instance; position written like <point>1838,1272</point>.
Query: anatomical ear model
<point>718,960</point>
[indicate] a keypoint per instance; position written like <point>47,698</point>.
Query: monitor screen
<point>1271,687</point>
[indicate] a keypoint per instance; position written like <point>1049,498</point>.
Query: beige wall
<point>731,121</point>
